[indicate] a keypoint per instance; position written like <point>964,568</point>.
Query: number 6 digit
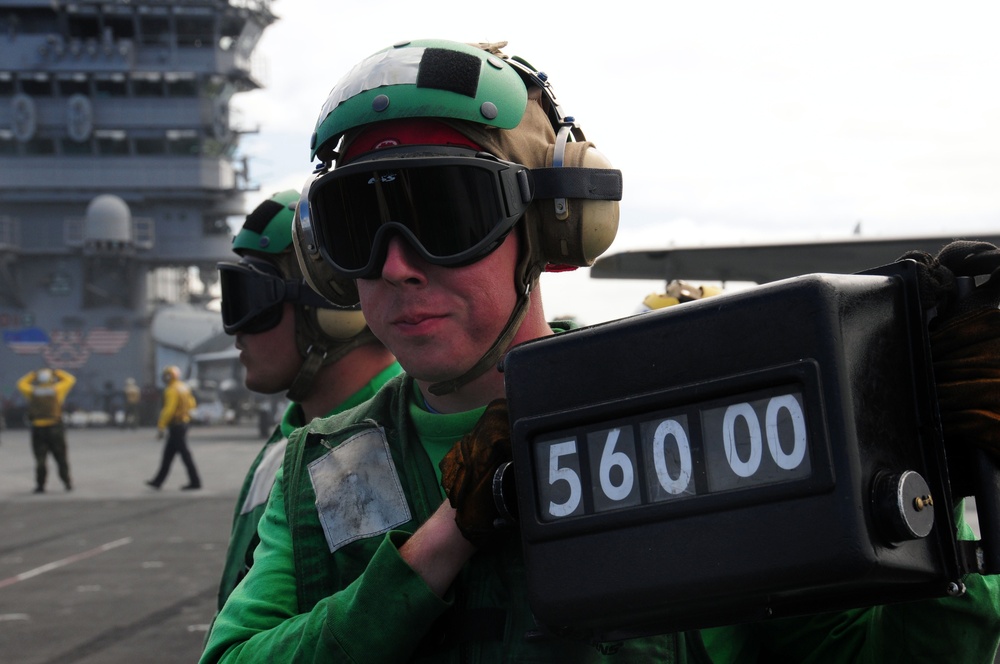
<point>610,459</point>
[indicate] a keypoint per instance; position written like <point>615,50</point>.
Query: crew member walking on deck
<point>178,402</point>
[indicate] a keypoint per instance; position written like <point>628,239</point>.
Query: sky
<point>732,122</point>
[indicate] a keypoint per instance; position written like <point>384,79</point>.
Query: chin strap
<point>317,357</point>
<point>302,384</point>
<point>493,355</point>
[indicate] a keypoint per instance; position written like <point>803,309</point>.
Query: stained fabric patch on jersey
<point>358,492</point>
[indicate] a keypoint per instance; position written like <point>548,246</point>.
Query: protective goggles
<point>253,295</point>
<point>453,205</point>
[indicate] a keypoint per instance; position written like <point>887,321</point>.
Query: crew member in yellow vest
<point>45,391</point>
<point>178,402</point>
<point>677,292</point>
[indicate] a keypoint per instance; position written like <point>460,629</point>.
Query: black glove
<point>468,472</point>
<point>965,342</point>
<point>966,353</point>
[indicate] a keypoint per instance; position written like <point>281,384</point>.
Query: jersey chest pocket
<point>358,492</point>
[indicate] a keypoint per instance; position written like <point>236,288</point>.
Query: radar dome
<point>108,219</point>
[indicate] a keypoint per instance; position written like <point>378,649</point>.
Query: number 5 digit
<point>564,474</point>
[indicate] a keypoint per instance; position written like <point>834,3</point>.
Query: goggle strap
<point>493,355</point>
<point>603,184</point>
<point>558,157</point>
<point>299,292</point>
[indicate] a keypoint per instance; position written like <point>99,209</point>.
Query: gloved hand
<point>159,434</point>
<point>467,474</point>
<point>965,342</point>
<point>966,354</point>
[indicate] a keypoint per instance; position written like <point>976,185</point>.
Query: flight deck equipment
<point>770,452</point>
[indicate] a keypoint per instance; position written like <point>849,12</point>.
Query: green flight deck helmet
<point>563,191</point>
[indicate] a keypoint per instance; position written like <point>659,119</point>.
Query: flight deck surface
<point>115,571</point>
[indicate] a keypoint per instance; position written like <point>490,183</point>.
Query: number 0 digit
<point>745,412</point>
<point>791,460</point>
<point>673,429</point>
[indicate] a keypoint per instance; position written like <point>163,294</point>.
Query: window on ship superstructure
<point>195,31</point>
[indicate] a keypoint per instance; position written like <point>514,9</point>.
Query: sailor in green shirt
<point>290,340</point>
<point>449,182</point>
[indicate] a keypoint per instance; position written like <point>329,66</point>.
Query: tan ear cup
<point>340,325</point>
<point>588,227</point>
<point>320,276</point>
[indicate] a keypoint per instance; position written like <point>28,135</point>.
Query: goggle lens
<point>453,210</point>
<point>251,300</point>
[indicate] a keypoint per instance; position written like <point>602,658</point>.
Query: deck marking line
<point>48,567</point>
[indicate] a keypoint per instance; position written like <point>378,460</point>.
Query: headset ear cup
<point>318,274</point>
<point>590,226</point>
<point>340,325</point>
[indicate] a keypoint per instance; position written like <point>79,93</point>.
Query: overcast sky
<point>731,121</point>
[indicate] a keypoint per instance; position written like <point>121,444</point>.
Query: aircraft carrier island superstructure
<point>119,168</point>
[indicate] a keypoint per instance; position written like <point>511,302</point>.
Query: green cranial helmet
<point>422,78</point>
<point>499,103</point>
<point>268,229</point>
<point>323,332</point>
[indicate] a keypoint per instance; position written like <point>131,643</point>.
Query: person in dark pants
<point>178,402</point>
<point>133,396</point>
<point>45,391</point>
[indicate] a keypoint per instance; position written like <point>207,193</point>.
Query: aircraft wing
<point>762,263</point>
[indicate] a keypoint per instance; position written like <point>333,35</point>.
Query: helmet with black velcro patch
<point>499,103</point>
<point>420,79</point>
